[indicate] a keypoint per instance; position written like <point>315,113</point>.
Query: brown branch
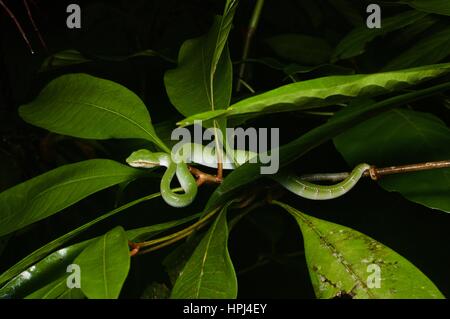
<point>373,172</point>
<point>134,248</point>
<point>169,239</point>
<point>18,26</point>
<point>376,173</point>
<point>219,176</point>
<point>203,177</point>
<point>36,29</point>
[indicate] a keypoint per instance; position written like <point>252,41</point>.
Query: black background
<point>118,28</point>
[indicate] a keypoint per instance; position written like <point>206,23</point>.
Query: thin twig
<point>252,91</point>
<point>219,153</point>
<point>174,237</point>
<point>253,25</point>
<point>203,177</point>
<point>18,26</point>
<point>36,29</point>
<point>376,173</point>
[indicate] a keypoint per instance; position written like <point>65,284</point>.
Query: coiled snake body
<point>176,165</point>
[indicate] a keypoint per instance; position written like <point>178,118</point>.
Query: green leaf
<point>51,291</point>
<point>205,116</point>
<point>49,193</point>
<point>156,291</point>
<point>355,42</point>
<point>288,153</point>
<point>301,48</point>
<point>73,57</point>
<point>413,32</point>
<point>51,267</point>
<point>338,260</point>
<point>104,265</point>
<point>203,79</point>
<point>144,233</point>
<point>209,273</point>
<point>429,50</point>
<point>40,253</point>
<point>175,261</point>
<point>74,293</point>
<point>291,69</point>
<point>56,263</point>
<point>402,137</point>
<point>84,106</point>
<point>63,59</point>
<point>324,92</point>
<point>57,289</point>
<point>431,6</point>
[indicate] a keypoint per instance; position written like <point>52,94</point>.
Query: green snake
<point>196,153</point>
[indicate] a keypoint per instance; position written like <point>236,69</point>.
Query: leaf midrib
<point>334,251</point>
<point>153,137</point>
<point>40,194</point>
<point>341,87</point>
<point>210,236</point>
<point>105,280</point>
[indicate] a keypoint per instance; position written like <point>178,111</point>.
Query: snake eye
<point>143,164</point>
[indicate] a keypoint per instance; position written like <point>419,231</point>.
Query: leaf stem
<point>174,237</point>
<point>253,25</point>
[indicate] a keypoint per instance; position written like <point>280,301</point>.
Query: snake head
<point>144,158</point>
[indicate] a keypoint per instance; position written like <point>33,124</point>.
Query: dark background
<point>120,28</point>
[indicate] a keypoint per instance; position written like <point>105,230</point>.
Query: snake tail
<point>321,192</point>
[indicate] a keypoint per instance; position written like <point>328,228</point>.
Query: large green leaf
<point>49,193</point>
<point>203,79</point>
<point>324,92</point>
<point>429,50</point>
<point>355,42</point>
<point>340,262</point>
<point>43,251</point>
<point>104,265</point>
<point>88,107</point>
<point>175,261</point>
<point>209,273</point>
<point>51,267</point>
<point>431,6</point>
<point>56,263</point>
<point>301,48</point>
<point>288,153</point>
<point>403,137</point>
